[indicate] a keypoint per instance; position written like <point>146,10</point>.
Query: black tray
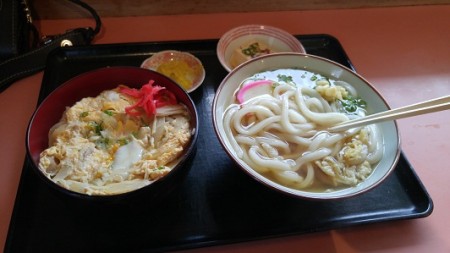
<point>216,204</point>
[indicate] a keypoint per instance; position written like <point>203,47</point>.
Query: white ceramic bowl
<point>375,103</point>
<point>276,39</point>
<point>182,67</point>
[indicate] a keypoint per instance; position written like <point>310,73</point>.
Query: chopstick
<point>429,106</point>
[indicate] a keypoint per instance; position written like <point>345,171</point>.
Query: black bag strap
<point>34,60</point>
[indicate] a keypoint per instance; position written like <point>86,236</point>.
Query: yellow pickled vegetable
<point>180,72</point>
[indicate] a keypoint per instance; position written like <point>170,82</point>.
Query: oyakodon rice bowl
<point>272,114</point>
<point>125,130</point>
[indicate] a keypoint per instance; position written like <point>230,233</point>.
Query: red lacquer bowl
<point>90,84</point>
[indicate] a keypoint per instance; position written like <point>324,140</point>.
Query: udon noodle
<point>278,123</point>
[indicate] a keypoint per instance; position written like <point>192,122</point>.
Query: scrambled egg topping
<point>351,166</point>
<point>98,149</point>
<point>330,93</point>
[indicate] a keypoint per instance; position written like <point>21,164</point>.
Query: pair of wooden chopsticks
<point>429,106</point>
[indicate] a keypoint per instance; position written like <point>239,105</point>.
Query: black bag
<point>21,51</point>
<point>17,34</point>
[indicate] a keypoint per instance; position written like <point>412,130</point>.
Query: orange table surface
<point>403,51</point>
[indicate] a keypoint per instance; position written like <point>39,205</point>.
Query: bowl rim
<point>223,42</point>
<point>181,54</point>
<point>284,189</point>
<point>113,197</point>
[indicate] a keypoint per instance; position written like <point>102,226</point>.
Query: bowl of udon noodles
<point>272,116</point>
<point>114,132</point>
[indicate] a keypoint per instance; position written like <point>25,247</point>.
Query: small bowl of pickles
<point>182,67</point>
